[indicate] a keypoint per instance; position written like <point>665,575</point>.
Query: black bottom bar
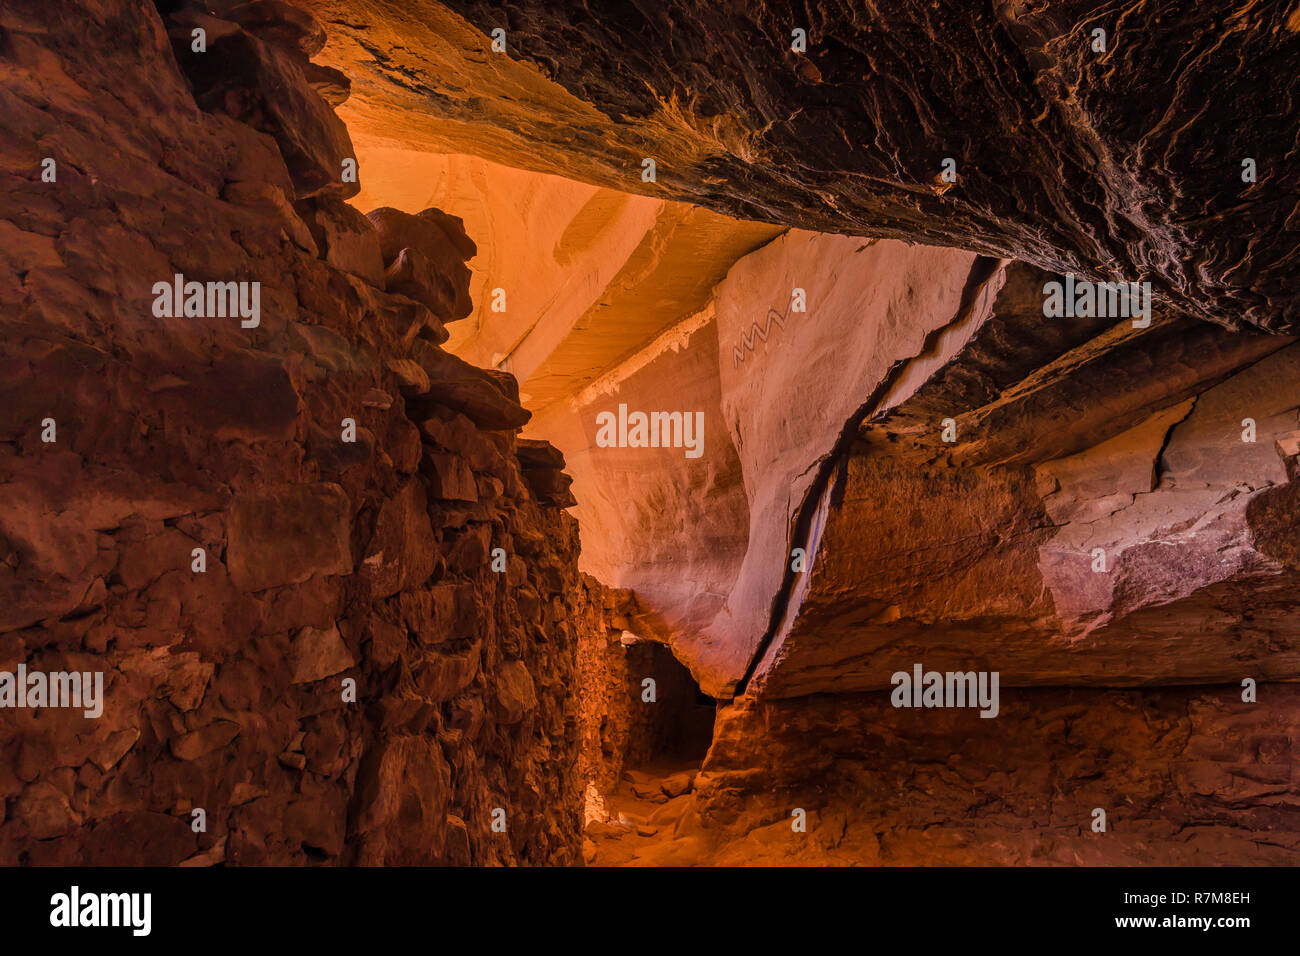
<point>495,907</point>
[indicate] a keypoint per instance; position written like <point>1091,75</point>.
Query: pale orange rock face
<point>568,279</point>
<point>804,331</point>
<point>552,245</point>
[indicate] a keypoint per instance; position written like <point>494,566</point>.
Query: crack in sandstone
<point>982,272</point>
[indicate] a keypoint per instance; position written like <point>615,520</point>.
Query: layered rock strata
<point>1111,512</point>
<point>1124,142</point>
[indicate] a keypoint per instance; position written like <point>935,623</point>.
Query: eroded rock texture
<point>301,635</point>
<point>1184,776</point>
<point>1103,520</point>
<point>703,539</point>
<point>1124,163</point>
<point>919,465</point>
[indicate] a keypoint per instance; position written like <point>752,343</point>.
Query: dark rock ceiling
<point>1125,164</point>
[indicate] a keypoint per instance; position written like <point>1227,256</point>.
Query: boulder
<point>443,676</point>
<point>317,653</point>
<point>404,788</point>
<point>46,811</point>
<point>679,783</point>
<point>287,535</point>
<point>281,23</point>
<point>426,256</point>
<point>346,238</point>
<point>333,85</point>
<point>534,453</point>
<point>401,552</point>
<point>551,486</point>
<point>515,692</point>
<point>449,477</point>
<point>265,86</point>
<point>457,852</point>
<point>412,274</point>
<point>205,740</point>
<point>458,385</point>
<point>433,232</point>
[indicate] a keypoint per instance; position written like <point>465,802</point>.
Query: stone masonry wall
<point>326,586</point>
<point>619,727</point>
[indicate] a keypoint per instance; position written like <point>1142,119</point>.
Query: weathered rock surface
<point>257,76</point>
<point>1104,163</point>
<point>347,240</point>
<point>669,527</point>
<point>288,535</point>
<point>425,257</point>
<point>829,536</point>
<point>475,392</point>
<point>807,327</point>
<point>1184,776</point>
<point>1059,539</point>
